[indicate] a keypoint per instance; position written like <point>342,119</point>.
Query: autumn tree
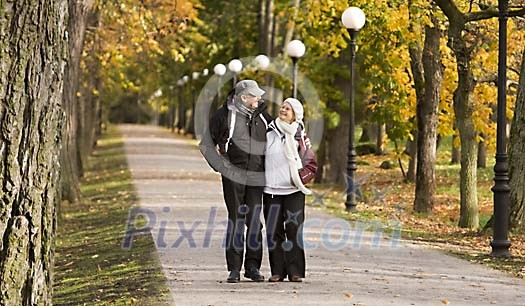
<point>516,158</point>
<point>71,158</point>
<point>464,45</point>
<point>428,76</point>
<point>32,62</point>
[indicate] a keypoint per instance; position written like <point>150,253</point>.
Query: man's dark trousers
<point>244,208</point>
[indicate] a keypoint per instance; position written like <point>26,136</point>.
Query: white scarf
<point>291,152</point>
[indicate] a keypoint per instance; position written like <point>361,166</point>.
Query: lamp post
<point>219,71</point>
<point>235,66</point>
<point>500,243</point>
<point>191,129</point>
<point>295,49</point>
<point>353,19</point>
<point>157,94</point>
<point>182,107</point>
<point>180,84</point>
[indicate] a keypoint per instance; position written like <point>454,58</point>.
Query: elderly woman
<point>289,164</point>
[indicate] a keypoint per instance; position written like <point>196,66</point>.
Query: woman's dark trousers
<point>284,217</point>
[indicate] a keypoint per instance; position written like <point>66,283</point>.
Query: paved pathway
<point>183,199</point>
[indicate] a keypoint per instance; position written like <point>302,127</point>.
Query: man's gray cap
<point>250,87</point>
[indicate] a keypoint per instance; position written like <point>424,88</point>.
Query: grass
<point>438,229</point>
<point>91,268</point>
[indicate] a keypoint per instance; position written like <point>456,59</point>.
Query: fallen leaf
<point>445,302</point>
<point>349,295</point>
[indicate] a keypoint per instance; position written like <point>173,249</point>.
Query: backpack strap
<point>264,120</point>
<point>232,126</point>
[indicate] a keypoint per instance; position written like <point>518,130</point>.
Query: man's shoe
<point>234,277</point>
<point>254,274</point>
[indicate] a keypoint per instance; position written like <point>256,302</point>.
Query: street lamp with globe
<point>295,49</point>
<point>353,19</point>
<point>235,66</point>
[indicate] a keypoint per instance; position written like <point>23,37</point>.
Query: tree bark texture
<point>381,131</point>
<point>455,156</point>
<point>71,152</point>
<point>416,66</point>
<point>290,28</point>
<point>32,63</point>
<point>464,109</point>
<point>337,142</point>
<point>427,121</point>
<point>517,158</point>
<point>90,101</point>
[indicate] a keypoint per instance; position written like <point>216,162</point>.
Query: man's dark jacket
<point>246,147</point>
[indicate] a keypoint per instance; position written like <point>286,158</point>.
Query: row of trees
<point>426,70</point>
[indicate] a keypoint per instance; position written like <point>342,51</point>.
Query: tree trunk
<point>464,109</point>
<point>367,134</point>
<point>456,151</point>
<point>337,138</point>
<point>380,138</point>
<point>416,65</point>
<point>261,23</point>
<point>321,160</point>
<point>288,36</point>
<point>412,162</point>
<point>517,158</point>
<point>70,155</point>
<point>337,141</point>
<point>32,63</point>
<point>427,121</point>
<point>90,101</point>
<point>482,153</point>
<point>270,27</point>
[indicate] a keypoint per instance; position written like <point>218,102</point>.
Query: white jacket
<point>277,171</point>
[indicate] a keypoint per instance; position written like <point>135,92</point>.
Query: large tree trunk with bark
<point>90,100</point>
<point>381,132</point>
<point>517,158</point>
<point>71,152</point>
<point>464,109</point>
<point>337,138</point>
<point>32,62</point>
<point>464,46</point>
<point>416,66</point>
<point>427,121</point>
<point>337,142</point>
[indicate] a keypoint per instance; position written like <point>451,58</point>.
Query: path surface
<point>183,199</point>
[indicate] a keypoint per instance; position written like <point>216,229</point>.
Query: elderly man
<point>234,145</point>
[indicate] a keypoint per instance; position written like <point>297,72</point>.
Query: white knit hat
<point>297,107</point>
